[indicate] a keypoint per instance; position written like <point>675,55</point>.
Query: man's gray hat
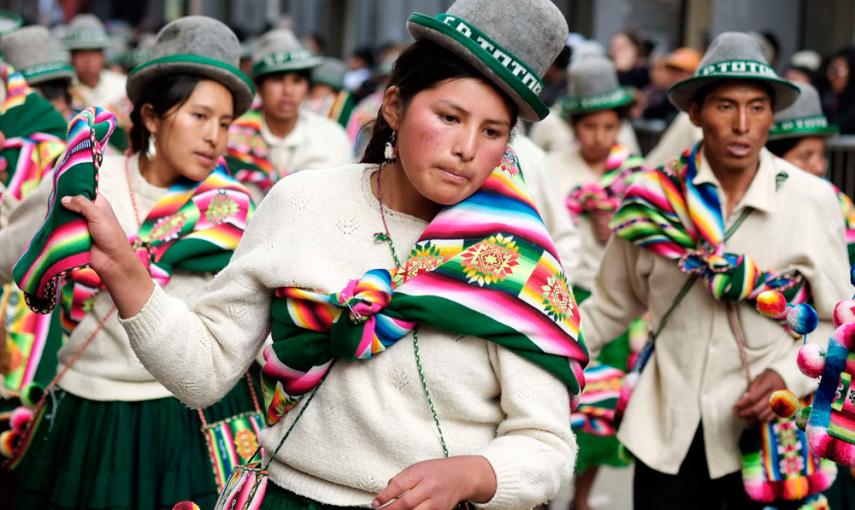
<point>196,45</point>
<point>33,52</point>
<point>331,73</point>
<point>513,42</point>
<point>86,32</point>
<point>279,51</point>
<point>733,56</point>
<point>802,118</point>
<point>593,86</point>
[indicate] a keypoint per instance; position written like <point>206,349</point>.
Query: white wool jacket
<point>369,420</point>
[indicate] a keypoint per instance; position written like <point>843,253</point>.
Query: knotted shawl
<point>605,195</point>
<point>195,227</point>
<point>665,212</point>
<point>484,267</point>
<point>247,153</point>
<point>33,131</point>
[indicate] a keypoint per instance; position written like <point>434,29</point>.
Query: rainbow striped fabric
<point>848,211</point>
<point>665,212</point>
<point>247,154</point>
<point>62,243</point>
<point>232,443</point>
<point>484,267</point>
<point>195,226</point>
<point>33,132</point>
<point>605,195</point>
<point>596,412</point>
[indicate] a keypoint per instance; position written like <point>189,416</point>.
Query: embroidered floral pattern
<point>169,228</point>
<point>423,258</point>
<point>221,208</point>
<point>491,260</point>
<point>557,299</point>
<point>245,443</point>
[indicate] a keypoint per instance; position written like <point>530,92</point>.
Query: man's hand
<point>439,484</point>
<point>754,403</point>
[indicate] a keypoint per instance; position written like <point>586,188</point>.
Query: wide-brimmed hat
<point>279,51</point>
<point>594,86</point>
<point>331,73</point>
<point>86,32</point>
<point>33,52</point>
<point>513,42</point>
<point>196,45</point>
<point>733,56</point>
<point>9,21</point>
<point>802,118</point>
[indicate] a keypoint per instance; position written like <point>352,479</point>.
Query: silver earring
<point>391,152</point>
<point>151,152</point>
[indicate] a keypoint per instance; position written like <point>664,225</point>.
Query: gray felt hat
<point>86,32</point>
<point>331,73</point>
<point>802,118</point>
<point>9,21</point>
<point>195,45</point>
<point>33,51</point>
<point>593,86</point>
<point>279,51</point>
<point>513,42</point>
<point>733,56</point>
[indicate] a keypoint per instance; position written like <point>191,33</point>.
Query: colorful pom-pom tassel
<point>20,418</point>
<point>784,403</point>
<point>802,319</point>
<point>772,304</point>
<point>31,394</point>
<point>844,312</point>
<point>811,360</point>
<point>8,442</point>
<point>802,417</point>
<point>185,505</point>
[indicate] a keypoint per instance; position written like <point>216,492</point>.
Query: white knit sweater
<point>108,369</point>
<point>369,420</point>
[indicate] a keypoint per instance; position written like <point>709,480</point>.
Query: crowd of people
<point>245,274</point>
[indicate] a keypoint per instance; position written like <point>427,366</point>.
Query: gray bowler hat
<point>513,42</point>
<point>33,51</point>
<point>86,32</point>
<point>733,56</point>
<point>802,118</point>
<point>195,45</point>
<point>331,73</point>
<point>594,86</point>
<point>279,51</point>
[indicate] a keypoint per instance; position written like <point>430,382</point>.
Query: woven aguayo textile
<point>605,195</point>
<point>247,154</point>
<point>484,267</point>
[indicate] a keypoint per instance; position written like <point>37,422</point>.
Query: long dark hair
<point>421,66</point>
<point>162,94</point>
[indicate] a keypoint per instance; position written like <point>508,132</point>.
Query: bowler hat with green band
<point>593,87</point>
<point>802,118</point>
<point>512,42</point>
<point>86,32</point>
<point>33,51</point>
<point>733,56</point>
<point>279,51</point>
<point>196,45</point>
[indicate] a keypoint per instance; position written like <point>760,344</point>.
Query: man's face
<point>88,64</point>
<point>735,117</point>
<point>282,94</point>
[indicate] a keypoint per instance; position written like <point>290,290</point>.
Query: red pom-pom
<point>21,417</point>
<point>784,403</point>
<point>772,304</point>
<point>8,443</point>
<point>185,505</point>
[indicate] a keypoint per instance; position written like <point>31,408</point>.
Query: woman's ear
<point>392,107</point>
<point>150,119</point>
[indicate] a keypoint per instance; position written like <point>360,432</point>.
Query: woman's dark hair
<point>622,113</point>
<point>54,89</point>
<point>783,145</point>
<point>163,94</point>
<point>422,66</point>
<point>304,73</point>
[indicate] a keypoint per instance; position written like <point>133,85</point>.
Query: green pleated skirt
<point>278,498</point>
<point>123,455</point>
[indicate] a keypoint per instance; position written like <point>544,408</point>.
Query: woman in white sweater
<point>466,394</point>
<point>113,436</point>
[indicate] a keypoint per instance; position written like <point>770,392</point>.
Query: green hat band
<point>195,59</point>
<point>737,68</point>
<point>802,125</point>
<point>512,70</point>
<point>39,70</point>
<point>614,99</point>
<point>284,60</point>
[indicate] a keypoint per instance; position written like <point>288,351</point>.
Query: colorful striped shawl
<point>484,267</point>
<point>605,194</point>
<point>63,243</point>
<point>848,211</point>
<point>336,107</point>
<point>195,226</point>
<point>33,132</point>
<point>665,212</point>
<point>247,153</point>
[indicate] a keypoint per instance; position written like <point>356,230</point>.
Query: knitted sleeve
<point>535,450</point>
<point>24,220</point>
<point>200,354</point>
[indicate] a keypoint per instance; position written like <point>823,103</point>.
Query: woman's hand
<point>439,484</point>
<point>754,403</point>
<point>111,256</point>
<point>600,224</point>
